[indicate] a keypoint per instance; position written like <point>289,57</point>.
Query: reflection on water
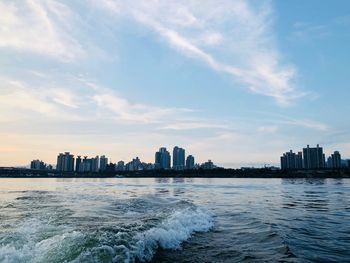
<point>212,220</point>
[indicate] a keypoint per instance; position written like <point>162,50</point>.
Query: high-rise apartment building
<point>77,164</point>
<point>85,165</point>
<point>190,162</point>
<point>103,162</point>
<point>134,165</point>
<point>37,165</point>
<point>65,162</point>
<point>336,160</point>
<point>120,166</point>
<point>291,160</point>
<point>313,157</point>
<point>94,164</point>
<point>178,158</point>
<point>208,165</point>
<point>162,159</point>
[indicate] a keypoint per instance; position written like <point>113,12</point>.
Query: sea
<point>174,220</point>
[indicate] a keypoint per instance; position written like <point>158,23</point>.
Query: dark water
<point>174,220</point>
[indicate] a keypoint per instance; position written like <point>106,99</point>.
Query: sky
<point>238,82</point>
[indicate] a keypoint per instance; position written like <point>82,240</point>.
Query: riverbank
<point>200,173</point>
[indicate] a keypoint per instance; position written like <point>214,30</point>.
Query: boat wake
<point>134,232</point>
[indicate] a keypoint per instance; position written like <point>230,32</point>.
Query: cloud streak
<point>41,27</point>
<point>79,100</point>
<point>231,37</point>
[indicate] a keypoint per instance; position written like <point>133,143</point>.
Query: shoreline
<point>201,173</point>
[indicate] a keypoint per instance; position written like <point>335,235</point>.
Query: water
<point>174,220</point>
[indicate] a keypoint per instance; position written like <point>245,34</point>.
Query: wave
<point>170,234</point>
<point>133,231</point>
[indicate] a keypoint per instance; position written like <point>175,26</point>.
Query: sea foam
<point>176,229</point>
<point>37,241</point>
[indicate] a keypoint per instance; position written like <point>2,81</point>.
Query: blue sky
<point>238,82</point>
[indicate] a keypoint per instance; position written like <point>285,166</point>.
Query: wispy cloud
<point>233,37</point>
<point>121,109</point>
<point>65,97</point>
<point>308,124</point>
<point>304,30</point>
<point>230,37</point>
<point>21,100</point>
<point>192,125</point>
<point>80,99</point>
<point>42,27</point>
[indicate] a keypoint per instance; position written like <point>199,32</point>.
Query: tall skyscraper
<point>103,162</point>
<point>162,159</point>
<point>65,162</point>
<point>189,162</point>
<point>313,157</point>
<point>178,158</point>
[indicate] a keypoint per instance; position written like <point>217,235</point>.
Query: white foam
<point>170,234</point>
<point>35,241</point>
<point>39,242</point>
<point>179,227</point>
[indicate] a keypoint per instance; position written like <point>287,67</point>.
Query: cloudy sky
<point>238,82</point>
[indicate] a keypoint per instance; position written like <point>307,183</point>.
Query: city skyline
<point>238,83</point>
<point>68,162</point>
<point>312,158</point>
<point>307,158</point>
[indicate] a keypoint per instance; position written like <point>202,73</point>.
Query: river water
<point>174,220</point>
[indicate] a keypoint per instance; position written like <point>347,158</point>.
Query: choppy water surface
<point>174,220</point>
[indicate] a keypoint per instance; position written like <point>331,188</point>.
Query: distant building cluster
<point>66,162</point>
<point>40,165</point>
<point>310,158</point>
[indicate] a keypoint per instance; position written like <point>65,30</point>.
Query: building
<point>120,166</point>
<point>291,160</point>
<point>299,160</point>
<point>65,162</point>
<point>288,160</point>
<point>95,164</point>
<point>208,165</point>
<point>178,158</point>
<point>38,165</point>
<point>110,168</point>
<point>85,165</point>
<point>134,165</point>
<point>335,160</point>
<point>313,158</point>
<point>190,162</point>
<point>103,162</point>
<point>77,164</point>
<point>329,162</point>
<point>162,159</point>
